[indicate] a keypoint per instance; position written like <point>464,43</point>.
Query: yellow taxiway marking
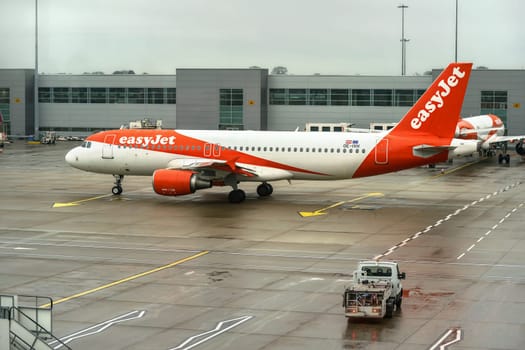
<point>71,204</point>
<point>322,211</point>
<point>130,278</point>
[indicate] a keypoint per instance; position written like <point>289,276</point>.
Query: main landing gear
<point>504,157</point>
<point>117,189</point>
<point>237,195</point>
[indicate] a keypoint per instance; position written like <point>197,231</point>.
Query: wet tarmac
<point>141,271</point>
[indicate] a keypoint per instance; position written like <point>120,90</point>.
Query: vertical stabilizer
<point>437,111</point>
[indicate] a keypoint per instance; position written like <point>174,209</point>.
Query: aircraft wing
<point>222,168</point>
<point>511,139</point>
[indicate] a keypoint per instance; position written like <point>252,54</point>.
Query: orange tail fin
<point>437,111</point>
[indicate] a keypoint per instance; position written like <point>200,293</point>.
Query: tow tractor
<point>375,291</point>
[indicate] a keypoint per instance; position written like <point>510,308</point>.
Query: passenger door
<point>107,148</point>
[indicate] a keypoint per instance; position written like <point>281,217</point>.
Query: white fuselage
<point>323,155</point>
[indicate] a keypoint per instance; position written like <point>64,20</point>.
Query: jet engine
<point>520,149</point>
<point>177,182</point>
<point>463,148</point>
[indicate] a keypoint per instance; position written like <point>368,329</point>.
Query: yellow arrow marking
<point>318,212</point>
<point>71,204</point>
<point>127,279</point>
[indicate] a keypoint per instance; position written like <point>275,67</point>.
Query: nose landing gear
<point>117,189</point>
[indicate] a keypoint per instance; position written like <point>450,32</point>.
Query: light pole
<point>35,97</point>
<point>403,40</point>
<point>456,42</point>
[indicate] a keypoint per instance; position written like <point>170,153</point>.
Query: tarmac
<point>142,271</point>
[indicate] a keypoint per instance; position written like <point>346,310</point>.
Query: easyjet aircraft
<point>489,130</point>
<point>183,161</point>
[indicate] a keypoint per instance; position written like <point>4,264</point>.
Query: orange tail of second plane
<point>425,133</point>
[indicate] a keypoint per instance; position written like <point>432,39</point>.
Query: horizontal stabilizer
<point>427,151</point>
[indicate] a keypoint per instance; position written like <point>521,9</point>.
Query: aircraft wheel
<point>507,158</point>
<point>116,190</point>
<point>237,196</point>
<point>264,189</point>
<point>399,299</point>
<point>500,158</point>
<point>389,307</point>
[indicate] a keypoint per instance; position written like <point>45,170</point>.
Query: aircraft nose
<point>72,156</point>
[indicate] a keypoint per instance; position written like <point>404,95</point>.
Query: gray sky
<point>327,37</point>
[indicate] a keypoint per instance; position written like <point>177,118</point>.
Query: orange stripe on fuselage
<point>174,142</point>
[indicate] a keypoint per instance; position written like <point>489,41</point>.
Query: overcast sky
<point>327,37</point>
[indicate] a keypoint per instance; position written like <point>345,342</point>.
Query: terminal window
<point>79,95</point>
<point>339,97</point>
<point>360,97</point>
<point>231,109</point>
<point>382,97</point>
<point>297,97</point>
<point>4,109</point>
<point>318,97</point>
<point>494,102</point>
<point>98,95</point>
<point>61,95</point>
<point>133,95</point>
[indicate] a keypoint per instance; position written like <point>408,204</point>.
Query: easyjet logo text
<point>147,140</point>
<point>438,98</point>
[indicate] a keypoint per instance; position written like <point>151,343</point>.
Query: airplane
<point>183,161</point>
<point>489,130</point>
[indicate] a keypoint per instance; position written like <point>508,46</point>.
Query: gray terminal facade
<point>244,99</point>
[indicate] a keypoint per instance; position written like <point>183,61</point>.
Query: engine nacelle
<point>520,149</point>
<point>177,182</point>
<point>463,148</point>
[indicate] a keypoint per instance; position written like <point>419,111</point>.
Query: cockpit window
<point>86,144</point>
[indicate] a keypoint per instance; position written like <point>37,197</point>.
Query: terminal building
<point>244,99</point>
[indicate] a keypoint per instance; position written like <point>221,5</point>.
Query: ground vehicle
<point>48,138</point>
<point>376,288</point>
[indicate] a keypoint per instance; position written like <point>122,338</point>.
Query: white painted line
<point>488,232</point>
<point>457,338</point>
<point>453,341</point>
<point>507,216</point>
<point>495,227</point>
<point>459,257</point>
<point>501,221</point>
<point>212,333</point>
<point>470,248</point>
<point>514,210</point>
<point>103,326</point>
<point>438,343</point>
<point>480,239</point>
